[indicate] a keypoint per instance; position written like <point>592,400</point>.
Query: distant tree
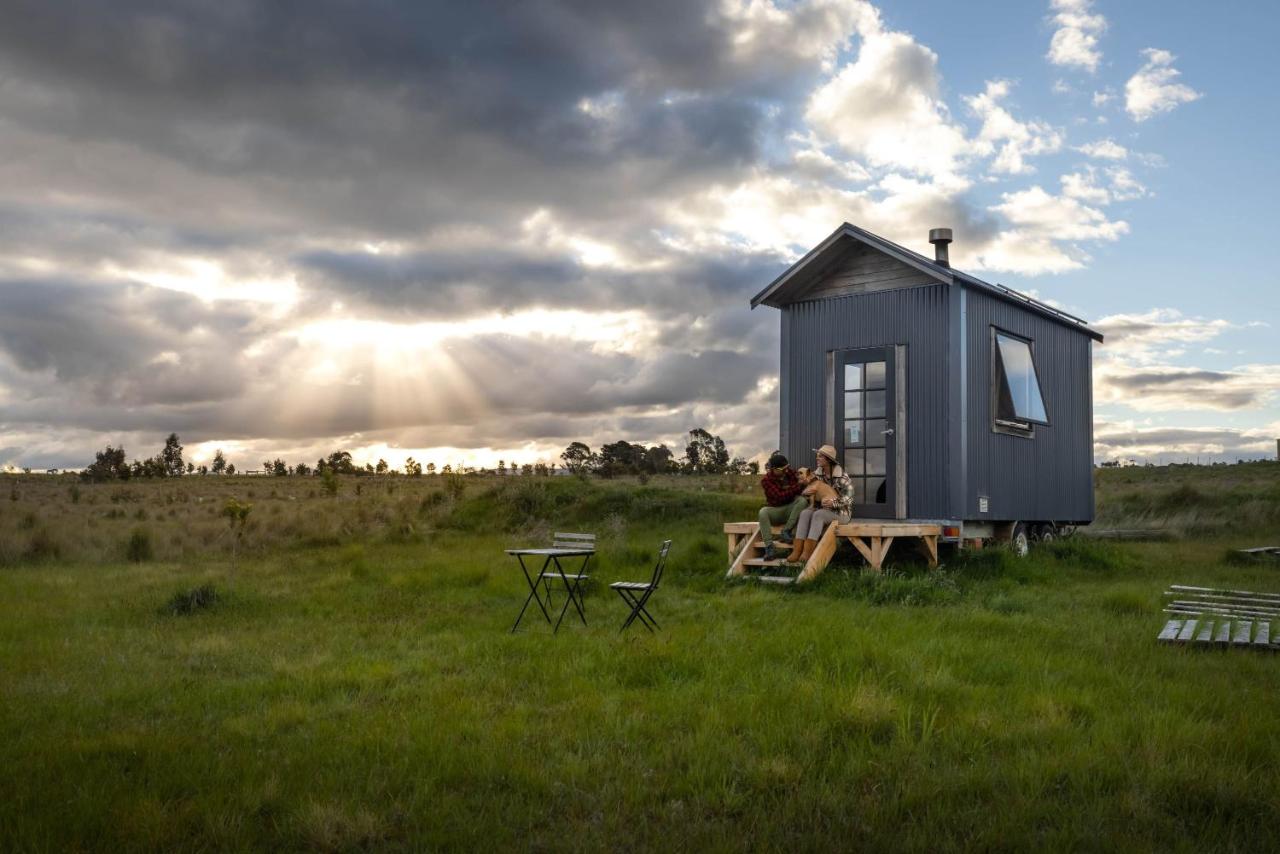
<point>740,466</point>
<point>219,462</point>
<point>431,468</point>
<point>502,467</point>
<point>617,458</point>
<point>279,467</point>
<point>527,470</point>
<point>448,469</point>
<point>658,459</point>
<point>753,467</point>
<point>203,469</point>
<point>340,462</point>
<point>302,469</point>
<point>577,457</point>
<point>705,453</point>
<point>171,456</point>
<point>191,468</point>
<point>412,467</point>
<point>237,514</point>
<point>368,468</point>
<point>381,467</point>
<point>231,468</point>
<point>150,467</point>
<point>541,469</point>
<point>108,464</point>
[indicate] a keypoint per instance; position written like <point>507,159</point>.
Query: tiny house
<point>948,399</point>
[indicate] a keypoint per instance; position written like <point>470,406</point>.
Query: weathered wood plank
<point>1223,637</point>
<point>821,555</point>
<point>1206,632</point>
<point>1247,593</point>
<point>746,528</point>
<point>1244,628</point>
<point>1211,608</point>
<point>1263,637</point>
<point>1170,631</point>
<point>737,568</point>
<point>1228,600</point>
<point>1188,630</point>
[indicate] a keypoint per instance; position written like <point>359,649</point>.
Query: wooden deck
<point>1211,617</point>
<point>871,537</point>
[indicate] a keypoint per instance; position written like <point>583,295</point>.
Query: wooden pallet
<point>871,537</point>
<point>1210,617</point>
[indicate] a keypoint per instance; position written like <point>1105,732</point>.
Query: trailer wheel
<point>1046,533</point>
<point>1019,540</point>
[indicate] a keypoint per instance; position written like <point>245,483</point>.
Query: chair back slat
<point>573,541</point>
<point>661,565</point>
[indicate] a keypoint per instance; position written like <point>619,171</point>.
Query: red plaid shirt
<point>781,490</point>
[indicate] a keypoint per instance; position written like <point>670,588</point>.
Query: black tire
<point>1020,540</point>
<point>1046,533</point>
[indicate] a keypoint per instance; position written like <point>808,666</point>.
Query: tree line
<point>704,454</point>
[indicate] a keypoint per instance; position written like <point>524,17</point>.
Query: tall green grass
<point>361,690</point>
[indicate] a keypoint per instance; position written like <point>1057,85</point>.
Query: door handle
<point>888,431</point>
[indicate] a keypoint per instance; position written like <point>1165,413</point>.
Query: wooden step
<point>755,561</point>
<point>776,579</point>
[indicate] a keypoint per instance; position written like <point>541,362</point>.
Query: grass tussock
<point>193,601</point>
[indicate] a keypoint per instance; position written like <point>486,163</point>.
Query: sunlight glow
<point>209,281</point>
<point>616,331</point>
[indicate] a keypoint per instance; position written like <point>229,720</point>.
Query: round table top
<point>552,552</point>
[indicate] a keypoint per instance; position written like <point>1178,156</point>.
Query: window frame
<point>1024,429</point>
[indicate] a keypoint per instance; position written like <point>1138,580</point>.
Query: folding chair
<point>637,593</point>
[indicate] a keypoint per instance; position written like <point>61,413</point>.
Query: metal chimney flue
<point>940,237</point>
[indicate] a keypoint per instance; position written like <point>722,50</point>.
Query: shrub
<point>138,547</point>
<point>454,486</point>
<point>191,601</point>
<point>43,546</point>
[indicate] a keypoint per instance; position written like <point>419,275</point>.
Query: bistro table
<point>572,581</point>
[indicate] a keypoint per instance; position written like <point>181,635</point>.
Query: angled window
<point>1017,397</point>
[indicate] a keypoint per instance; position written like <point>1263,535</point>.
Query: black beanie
<point>777,461</point>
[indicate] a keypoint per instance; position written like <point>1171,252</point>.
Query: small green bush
<point>43,546</point>
<point>191,601</point>
<point>137,548</point>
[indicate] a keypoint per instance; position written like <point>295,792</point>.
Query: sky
<point>472,232</point>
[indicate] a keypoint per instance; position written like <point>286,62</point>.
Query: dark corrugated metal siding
<point>1049,476</point>
<point>916,317</point>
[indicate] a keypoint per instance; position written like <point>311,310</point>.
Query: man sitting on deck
<point>783,503</point>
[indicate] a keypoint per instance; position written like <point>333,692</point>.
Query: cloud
<point>885,107</point>
<point>1154,89</point>
<point>1129,440</point>
<point>1146,336</point>
<point>1104,149</point>
<point>1011,140</point>
<point>438,226</point>
<point>1075,41</point>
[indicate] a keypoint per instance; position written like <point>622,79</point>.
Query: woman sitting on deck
<point>833,504</point>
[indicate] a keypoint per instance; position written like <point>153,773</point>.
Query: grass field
<point>353,685</point>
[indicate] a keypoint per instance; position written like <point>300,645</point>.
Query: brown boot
<point>809,546</point>
<point>796,550</point>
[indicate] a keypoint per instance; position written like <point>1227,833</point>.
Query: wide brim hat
<point>827,451</point>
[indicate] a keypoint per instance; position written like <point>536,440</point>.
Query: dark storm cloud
<point>122,344</point>
<point>452,283</point>
<point>397,116</point>
<point>276,139</point>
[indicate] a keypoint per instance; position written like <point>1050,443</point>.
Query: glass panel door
<point>865,404</point>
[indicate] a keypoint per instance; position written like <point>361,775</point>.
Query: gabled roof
<point>799,275</point>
